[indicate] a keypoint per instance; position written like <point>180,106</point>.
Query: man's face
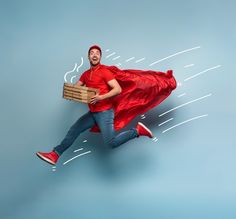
<point>94,57</point>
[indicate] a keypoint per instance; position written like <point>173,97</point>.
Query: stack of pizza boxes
<point>78,93</point>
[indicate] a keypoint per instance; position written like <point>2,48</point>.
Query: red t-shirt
<point>98,77</point>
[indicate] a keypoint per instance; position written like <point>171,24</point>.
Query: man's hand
<point>96,98</point>
<point>79,83</point>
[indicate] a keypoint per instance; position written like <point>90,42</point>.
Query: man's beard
<point>94,64</point>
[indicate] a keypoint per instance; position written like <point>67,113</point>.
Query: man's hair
<point>95,47</point>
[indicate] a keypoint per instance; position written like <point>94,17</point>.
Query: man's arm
<point>116,89</point>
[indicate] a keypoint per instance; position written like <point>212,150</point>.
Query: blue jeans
<point>105,121</point>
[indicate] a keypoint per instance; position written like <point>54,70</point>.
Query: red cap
<point>95,47</point>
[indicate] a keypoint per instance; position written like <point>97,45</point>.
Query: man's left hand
<point>96,98</point>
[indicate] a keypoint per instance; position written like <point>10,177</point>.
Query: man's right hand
<point>79,83</point>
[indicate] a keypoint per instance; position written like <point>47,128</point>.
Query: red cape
<point>141,91</point>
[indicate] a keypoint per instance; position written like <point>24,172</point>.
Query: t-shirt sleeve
<point>107,75</point>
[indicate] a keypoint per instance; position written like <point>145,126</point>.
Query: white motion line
<point>110,55</point>
<point>187,66</point>
<point>181,123</point>
<point>127,60</point>
<point>139,60</point>
<point>187,50</point>
<point>80,149</point>
<point>117,57</point>
<point>76,157</point>
<point>202,72</point>
<point>184,104</point>
<point>165,122</point>
<point>183,94</point>
<point>155,139</point>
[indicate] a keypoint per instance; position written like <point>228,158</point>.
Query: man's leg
<point>83,123</point>
<point>105,121</point>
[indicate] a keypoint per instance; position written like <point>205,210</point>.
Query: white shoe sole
<point>146,128</point>
<point>45,159</point>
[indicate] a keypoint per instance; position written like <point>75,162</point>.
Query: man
<point>101,112</point>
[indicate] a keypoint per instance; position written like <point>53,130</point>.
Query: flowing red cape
<point>141,91</point>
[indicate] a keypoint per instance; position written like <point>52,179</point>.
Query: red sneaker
<point>143,130</point>
<point>50,157</point>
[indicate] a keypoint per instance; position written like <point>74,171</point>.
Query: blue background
<point>188,173</point>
